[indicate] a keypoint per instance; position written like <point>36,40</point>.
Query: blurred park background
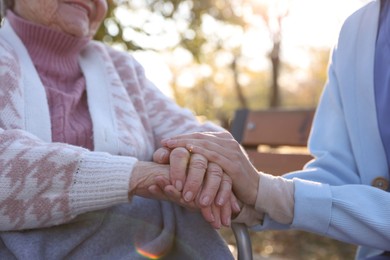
<point>216,56</point>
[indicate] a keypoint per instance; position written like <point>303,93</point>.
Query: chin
<point>78,31</point>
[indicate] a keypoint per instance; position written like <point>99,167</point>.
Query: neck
<point>51,50</point>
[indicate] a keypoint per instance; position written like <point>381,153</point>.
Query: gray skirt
<point>142,229</point>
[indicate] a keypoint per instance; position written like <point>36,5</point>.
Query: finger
<point>224,147</point>
<point>201,135</point>
<point>224,191</point>
<point>226,214</point>
<point>172,193</point>
<point>217,216</point>
<point>162,182</point>
<point>235,204</point>
<point>157,189</point>
<point>207,214</point>
<point>211,185</point>
<point>161,155</point>
<point>196,171</point>
<point>156,192</point>
<point>175,196</point>
<point>179,158</point>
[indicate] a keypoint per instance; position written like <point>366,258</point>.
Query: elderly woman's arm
<point>44,184</point>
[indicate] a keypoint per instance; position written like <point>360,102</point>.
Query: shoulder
<point>362,20</point>
<point>6,49</point>
<point>9,59</point>
<point>357,36</point>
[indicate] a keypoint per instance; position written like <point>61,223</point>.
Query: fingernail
<point>221,201</point>
<point>227,222</point>
<point>218,225</point>
<point>179,185</point>
<point>163,155</point>
<point>205,200</point>
<point>188,196</point>
<point>236,207</point>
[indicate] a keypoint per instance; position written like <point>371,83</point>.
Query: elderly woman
<point>79,123</point>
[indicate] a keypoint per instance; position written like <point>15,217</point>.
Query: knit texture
<point>63,201</point>
<point>55,56</point>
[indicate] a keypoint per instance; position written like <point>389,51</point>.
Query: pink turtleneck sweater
<point>55,56</point>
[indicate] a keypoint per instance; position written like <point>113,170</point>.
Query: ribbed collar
<point>51,50</point>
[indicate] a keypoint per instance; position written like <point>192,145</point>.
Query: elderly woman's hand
<point>144,176</point>
<point>195,180</point>
<point>222,149</point>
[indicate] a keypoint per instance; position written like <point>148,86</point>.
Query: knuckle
<point>226,178</point>
<point>234,144</point>
<point>198,162</point>
<point>214,170</point>
<point>227,135</point>
<point>192,184</point>
<point>214,156</point>
<point>197,135</point>
<point>180,153</point>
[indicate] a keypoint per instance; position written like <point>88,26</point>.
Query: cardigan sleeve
<point>45,184</point>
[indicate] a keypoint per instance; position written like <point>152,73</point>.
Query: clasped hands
<point>200,171</point>
<point>196,183</point>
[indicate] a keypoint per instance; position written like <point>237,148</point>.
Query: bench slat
<point>278,164</point>
<point>277,127</point>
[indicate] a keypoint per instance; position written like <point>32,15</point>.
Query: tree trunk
<point>240,95</point>
<point>275,60</point>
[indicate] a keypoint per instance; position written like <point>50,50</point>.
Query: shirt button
<point>380,183</point>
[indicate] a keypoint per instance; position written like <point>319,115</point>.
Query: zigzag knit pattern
<point>44,184</point>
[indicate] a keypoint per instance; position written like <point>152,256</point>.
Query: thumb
<point>161,155</point>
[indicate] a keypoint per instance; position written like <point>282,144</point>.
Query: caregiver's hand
<point>222,149</point>
<point>194,180</point>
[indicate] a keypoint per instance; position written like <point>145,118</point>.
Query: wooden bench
<point>275,141</point>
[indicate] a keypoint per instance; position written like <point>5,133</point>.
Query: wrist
<point>145,175</point>
<point>275,197</point>
<point>135,181</point>
<point>253,190</point>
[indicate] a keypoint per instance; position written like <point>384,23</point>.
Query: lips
<point>81,6</point>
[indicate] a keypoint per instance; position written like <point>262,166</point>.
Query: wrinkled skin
<point>79,18</point>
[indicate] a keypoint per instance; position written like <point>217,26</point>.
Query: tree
<point>211,34</point>
<point>187,16</point>
<point>273,15</point>
<point>188,19</point>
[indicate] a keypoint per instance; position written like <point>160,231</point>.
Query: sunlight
<point>308,24</point>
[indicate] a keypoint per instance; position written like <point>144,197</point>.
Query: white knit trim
<point>101,181</point>
<point>99,101</point>
<point>36,112</point>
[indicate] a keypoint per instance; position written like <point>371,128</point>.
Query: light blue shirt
<point>382,76</point>
<point>334,195</point>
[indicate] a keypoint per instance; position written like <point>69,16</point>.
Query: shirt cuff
<point>249,216</point>
<point>275,197</point>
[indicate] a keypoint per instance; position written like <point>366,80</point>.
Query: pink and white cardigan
<point>43,183</point>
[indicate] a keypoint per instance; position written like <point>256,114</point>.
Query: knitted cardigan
<point>62,201</point>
